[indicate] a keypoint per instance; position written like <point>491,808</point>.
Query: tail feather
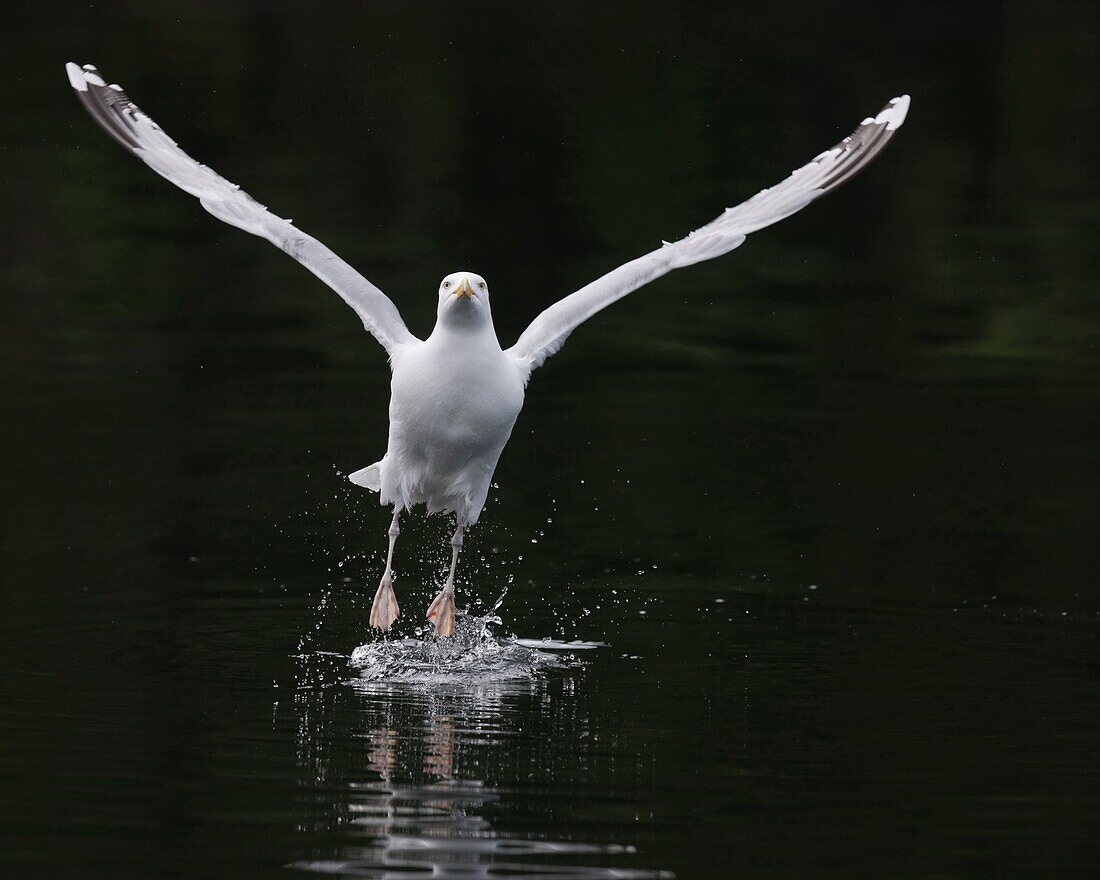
<point>369,477</point>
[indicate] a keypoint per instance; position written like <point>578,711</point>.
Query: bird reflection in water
<point>397,778</point>
<point>441,748</point>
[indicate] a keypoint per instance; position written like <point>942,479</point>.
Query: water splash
<point>475,654</point>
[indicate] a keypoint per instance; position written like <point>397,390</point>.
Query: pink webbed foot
<point>384,610</point>
<point>442,613</point>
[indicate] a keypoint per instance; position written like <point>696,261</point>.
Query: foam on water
<point>474,655</point>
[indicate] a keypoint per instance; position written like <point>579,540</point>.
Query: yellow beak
<point>464,289</point>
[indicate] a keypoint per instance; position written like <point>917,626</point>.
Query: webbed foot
<point>384,610</point>
<point>442,613</point>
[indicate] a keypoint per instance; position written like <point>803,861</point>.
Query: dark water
<point>810,528</point>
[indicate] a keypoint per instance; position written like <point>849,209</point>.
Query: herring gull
<point>455,396</point>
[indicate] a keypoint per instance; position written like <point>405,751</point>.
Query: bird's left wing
<point>126,123</point>
<point>824,173</point>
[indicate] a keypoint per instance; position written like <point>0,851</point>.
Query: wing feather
<point>822,174</point>
<point>124,121</point>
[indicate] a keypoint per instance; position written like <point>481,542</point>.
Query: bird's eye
<point>481,286</point>
<point>446,284</point>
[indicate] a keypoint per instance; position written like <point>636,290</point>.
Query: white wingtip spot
<point>94,78</point>
<point>895,113</point>
<point>76,77</point>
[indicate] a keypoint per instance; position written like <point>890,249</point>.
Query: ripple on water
<point>437,710</point>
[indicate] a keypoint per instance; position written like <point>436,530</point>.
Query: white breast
<point>454,400</point>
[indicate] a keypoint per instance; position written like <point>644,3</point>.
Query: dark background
<point>871,432</point>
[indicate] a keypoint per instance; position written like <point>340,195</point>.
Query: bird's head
<point>464,300</point>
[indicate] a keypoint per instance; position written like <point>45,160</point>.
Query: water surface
<point>797,548</point>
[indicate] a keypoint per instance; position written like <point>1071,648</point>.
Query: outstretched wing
<point>824,173</point>
<point>126,123</point>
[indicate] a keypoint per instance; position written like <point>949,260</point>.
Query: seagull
<point>455,396</point>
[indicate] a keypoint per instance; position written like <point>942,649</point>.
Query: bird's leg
<point>384,610</point>
<point>442,610</point>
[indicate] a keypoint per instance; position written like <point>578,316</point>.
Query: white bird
<point>455,395</point>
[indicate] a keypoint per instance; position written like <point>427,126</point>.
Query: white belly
<point>452,410</point>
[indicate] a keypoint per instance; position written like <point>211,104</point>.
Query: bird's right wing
<point>140,135</point>
<point>822,174</point>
